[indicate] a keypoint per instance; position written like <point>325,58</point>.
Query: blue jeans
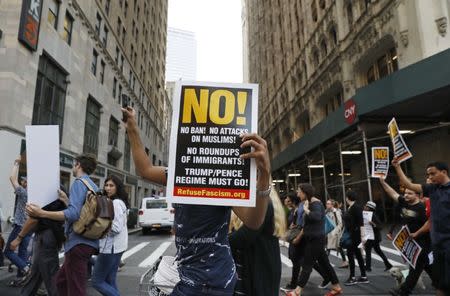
<point>105,271</point>
<point>185,290</point>
<point>21,258</point>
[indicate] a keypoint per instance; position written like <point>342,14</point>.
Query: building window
<point>322,4</point>
<point>119,26</point>
<point>68,25</point>
<point>117,56</point>
<point>316,59</point>
<point>314,11</point>
<point>53,10</point>
<point>124,33</point>
<point>120,93</point>
<point>121,62</point>
<point>384,66</point>
<point>113,131</point>
<point>125,10</point>
<point>98,24</point>
<point>114,90</point>
<point>94,62</point>
<point>349,9</point>
<point>50,95</point>
<point>91,127</point>
<point>323,48</point>
<point>333,103</point>
<point>102,71</point>
<point>107,6</point>
<point>127,154</point>
<point>333,35</point>
<point>105,35</point>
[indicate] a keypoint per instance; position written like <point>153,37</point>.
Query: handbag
<point>329,225</point>
<point>346,239</point>
<point>292,233</point>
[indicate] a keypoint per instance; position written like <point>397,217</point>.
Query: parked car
<point>155,213</point>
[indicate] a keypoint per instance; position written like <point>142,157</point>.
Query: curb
<point>134,230</point>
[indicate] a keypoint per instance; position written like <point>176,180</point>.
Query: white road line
<point>393,262</point>
<point>389,250</point>
<point>134,250</point>
<point>286,261</point>
<point>338,256</point>
<point>150,260</point>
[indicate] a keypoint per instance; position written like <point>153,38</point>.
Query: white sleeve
<point>120,217</point>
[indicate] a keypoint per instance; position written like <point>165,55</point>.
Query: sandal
<point>13,283</point>
<point>334,292</point>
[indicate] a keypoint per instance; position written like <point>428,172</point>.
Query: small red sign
<point>350,111</point>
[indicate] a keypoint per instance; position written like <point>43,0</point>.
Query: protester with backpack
<point>115,243</point>
<point>71,279</point>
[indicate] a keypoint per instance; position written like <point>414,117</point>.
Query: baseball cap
<point>371,205</point>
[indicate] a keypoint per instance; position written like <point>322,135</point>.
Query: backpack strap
<point>87,184</point>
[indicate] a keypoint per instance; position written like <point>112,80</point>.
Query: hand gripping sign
<point>204,163</point>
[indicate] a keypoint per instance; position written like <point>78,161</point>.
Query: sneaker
<point>324,284</point>
<point>350,281</point>
<point>362,280</point>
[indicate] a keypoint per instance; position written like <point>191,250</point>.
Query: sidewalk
<point>6,276</point>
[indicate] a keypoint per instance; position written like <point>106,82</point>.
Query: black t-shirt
<point>57,227</point>
<point>414,216</point>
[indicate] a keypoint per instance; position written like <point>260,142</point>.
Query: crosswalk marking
<point>150,260</point>
<point>134,250</point>
<point>393,262</point>
<point>389,250</point>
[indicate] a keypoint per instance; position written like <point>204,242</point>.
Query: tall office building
<point>332,74</point>
<point>68,63</point>
<point>181,62</point>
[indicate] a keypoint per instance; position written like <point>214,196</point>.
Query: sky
<point>218,28</point>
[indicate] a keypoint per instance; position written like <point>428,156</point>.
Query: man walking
<point>439,193</point>
<point>71,279</point>
<point>21,258</point>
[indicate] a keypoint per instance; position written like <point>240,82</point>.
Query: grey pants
<point>45,264</point>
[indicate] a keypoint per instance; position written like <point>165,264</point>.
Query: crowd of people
<point>216,256</point>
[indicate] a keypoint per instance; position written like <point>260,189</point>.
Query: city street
<point>143,250</point>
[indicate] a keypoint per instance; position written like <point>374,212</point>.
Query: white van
<point>155,213</point>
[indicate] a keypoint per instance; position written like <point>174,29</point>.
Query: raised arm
<point>144,167</point>
<point>391,192</point>
<point>254,217</point>
<point>403,179</point>
<point>14,174</point>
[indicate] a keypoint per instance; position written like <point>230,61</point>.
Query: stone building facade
<point>310,56</point>
<point>87,55</point>
<point>333,73</point>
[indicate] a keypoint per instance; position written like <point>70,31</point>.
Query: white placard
<point>368,229</point>
<point>204,163</point>
<point>42,163</point>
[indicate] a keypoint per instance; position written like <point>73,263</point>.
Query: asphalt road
<point>144,250</point>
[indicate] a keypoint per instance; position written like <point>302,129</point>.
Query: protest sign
<point>204,163</point>
<point>380,162</point>
<point>42,163</point>
<point>401,151</point>
<point>368,229</point>
<point>409,249</point>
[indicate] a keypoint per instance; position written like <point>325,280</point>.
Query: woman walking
<point>314,237</point>
<point>259,269</point>
<point>115,243</point>
<point>352,237</point>
<point>294,250</point>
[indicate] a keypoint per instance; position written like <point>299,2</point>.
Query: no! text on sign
<point>204,163</point>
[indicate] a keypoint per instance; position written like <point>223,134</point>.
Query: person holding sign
<point>206,265</point>
<point>413,215</point>
<point>20,216</point>
<point>374,243</point>
<point>439,193</point>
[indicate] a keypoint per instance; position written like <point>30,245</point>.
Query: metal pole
<point>369,185</point>
<point>309,171</point>
<point>324,172</point>
<point>342,176</point>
